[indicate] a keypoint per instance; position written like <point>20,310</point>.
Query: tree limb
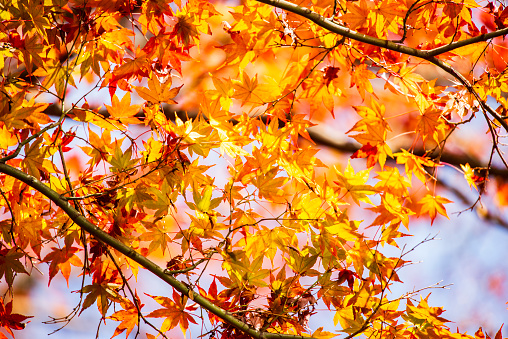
<point>429,55</point>
<point>446,157</point>
<point>108,240</point>
<point>321,138</point>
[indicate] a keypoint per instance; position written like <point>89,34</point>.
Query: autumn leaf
<point>175,312</point>
<point>430,124</point>
<point>355,184</point>
<point>103,294</point>
<point>122,160</point>
<point>128,317</point>
<point>134,67</point>
<point>158,92</point>
<point>245,89</point>
<point>391,180</point>
<point>472,179</point>
<point>7,139</point>
<point>10,321</point>
<point>61,260</point>
<point>320,334</point>
<point>414,164</point>
<point>122,108</point>
<point>432,205</point>
<point>369,152</point>
<point>10,264</point>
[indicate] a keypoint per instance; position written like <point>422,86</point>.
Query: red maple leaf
<point>10,321</point>
<point>369,152</point>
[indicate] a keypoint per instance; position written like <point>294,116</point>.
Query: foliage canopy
<point>197,123</point>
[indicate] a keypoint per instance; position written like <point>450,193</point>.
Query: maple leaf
<point>369,152</point>
<point>355,184</point>
<point>424,313</point>
<point>162,202</point>
<point>174,311</point>
<point>102,293</point>
<point>204,203</point>
<point>129,317</point>
<point>35,162</point>
<point>320,334</point>
<point>245,89</point>
<point>158,92</point>
<point>347,275</point>
<point>392,210</point>
<point>7,139</point>
<point>10,264</point>
<point>361,78</point>
<point>122,108</point>
<point>186,30</point>
<point>372,131</point>
<point>269,186</point>
<point>391,180</point>
<point>23,113</point>
<point>301,264</point>
<point>214,297</point>
<point>471,177</point>
<point>414,164</point>
<point>133,67</point>
<point>330,73</point>
<point>100,149</point>
<point>430,124</point>
<point>432,205</point>
<point>122,160</point>
<point>61,260</point>
<point>10,321</point>
<point>356,16</point>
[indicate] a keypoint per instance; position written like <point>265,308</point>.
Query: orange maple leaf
<point>430,124</point>
<point>129,318</point>
<point>432,205</point>
<point>122,108</point>
<point>158,92</point>
<point>174,311</point>
<point>60,259</point>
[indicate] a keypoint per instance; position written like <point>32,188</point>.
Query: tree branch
<point>457,44</point>
<point>321,138</point>
<point>334,27</point>
<point>447,157</point>
<point>105,238</point>
<point>429,55</point>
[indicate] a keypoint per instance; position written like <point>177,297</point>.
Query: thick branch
<point>334,27</point>
<point>108,240</point>
<point>446,157</point>
<point>321,138</point>
<point>448,69</point>
<point>465,42</point>
<point>429,55</point>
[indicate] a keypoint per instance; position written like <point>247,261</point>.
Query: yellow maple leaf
<point>469,175</point>
<point>7,138</point>
<point>414,164</point>
<point>354,184</point>
<point>391,180</point>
